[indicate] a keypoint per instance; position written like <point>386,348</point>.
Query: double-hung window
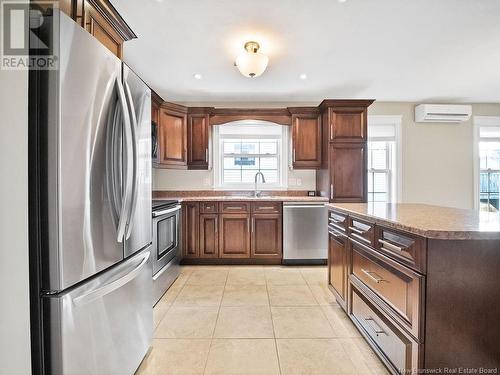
<point>242,150</point>
<point>383,134</point>
<point>489,163</point>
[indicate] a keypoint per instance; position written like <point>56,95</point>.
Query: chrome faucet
<point>257,193</point>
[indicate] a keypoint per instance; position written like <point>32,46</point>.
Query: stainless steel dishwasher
<point>305,233</point>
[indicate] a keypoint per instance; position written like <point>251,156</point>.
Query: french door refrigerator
<point>90,208</point>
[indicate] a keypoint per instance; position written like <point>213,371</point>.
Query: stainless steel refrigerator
<point>90,207</point>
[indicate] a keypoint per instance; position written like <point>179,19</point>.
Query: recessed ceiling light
<point>342,1</point>
<point>197,76</point>
<point>303,76</point>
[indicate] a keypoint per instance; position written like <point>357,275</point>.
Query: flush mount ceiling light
<point>251,63</point>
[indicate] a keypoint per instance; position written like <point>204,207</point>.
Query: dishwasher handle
<point>298,205</point>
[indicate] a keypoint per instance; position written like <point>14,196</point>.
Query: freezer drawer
<point>104,326</point>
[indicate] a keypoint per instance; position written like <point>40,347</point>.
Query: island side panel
<point>463,304</point>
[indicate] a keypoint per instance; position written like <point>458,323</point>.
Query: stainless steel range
<point>166,245</point>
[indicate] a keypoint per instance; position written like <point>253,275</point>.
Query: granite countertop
<point>434,222</point>
<point>240,198</point>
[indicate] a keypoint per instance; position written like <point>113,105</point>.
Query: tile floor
<point>254,320</point>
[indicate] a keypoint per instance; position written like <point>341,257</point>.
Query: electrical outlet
<point>299,182</point>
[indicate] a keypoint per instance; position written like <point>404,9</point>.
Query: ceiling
<point>390,50</point>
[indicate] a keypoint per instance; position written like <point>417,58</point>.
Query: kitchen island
<point>420,282</point>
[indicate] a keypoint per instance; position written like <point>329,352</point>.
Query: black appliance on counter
<point>167,229</point>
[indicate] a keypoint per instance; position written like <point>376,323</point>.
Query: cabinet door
<point>190,229</point>
<point>173,138</point>
<point>337,266</point>
<point>209,236</point>
<point>348,172</point>
<point>95,23</point>
<point>266,239</point>
<point>198,141</point>
<point>348,124</point>
<point>306,138</point>
<point>234,236</point>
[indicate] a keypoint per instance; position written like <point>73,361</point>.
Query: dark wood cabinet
<point>348,172</point>
<point>172,135</point>
<point>342,176</point>
<point>190,229</point>
<point>198,130</point>
<point>266,241</point>
<point>209,236</point>
<point>337,266</point>
<point>234,236</point>
<point>306,139</point>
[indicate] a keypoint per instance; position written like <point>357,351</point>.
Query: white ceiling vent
<point>442,113</point>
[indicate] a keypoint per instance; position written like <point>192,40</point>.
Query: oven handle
<point>167,211</point>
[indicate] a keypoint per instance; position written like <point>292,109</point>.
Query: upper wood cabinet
<point>198,136</point>
<point>100,19</point>
<point>345,120</point>
<point>172,134</point>
<point>306,138</point>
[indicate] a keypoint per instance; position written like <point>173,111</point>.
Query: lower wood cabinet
<point>338,266</point>
<point>266,241</point>
<point>233,230</point>
<point>190,229</point>
<point>234,236</point>
<point>209,236</point>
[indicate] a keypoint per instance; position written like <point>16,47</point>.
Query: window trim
<point>281,155</point>
<point>396,121</point>
<point>479,122</point>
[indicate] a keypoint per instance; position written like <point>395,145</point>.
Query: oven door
<point>166,233</point>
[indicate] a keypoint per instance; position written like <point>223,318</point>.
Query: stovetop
<point>157,204</point>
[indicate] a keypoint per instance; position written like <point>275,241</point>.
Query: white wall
<point>437,158</point>
<point>14,287</point>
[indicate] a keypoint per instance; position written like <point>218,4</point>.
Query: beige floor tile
<point>284,276</point>
<point>159,312</point>
<point>244,322</point>
<point>208,276</point>
<point>172,292</point>
<point>246,275</point>
<point>300,322</point>
<point>322,294</point>
<point>290,295</point>
<point>363,357</point>
<point>245,295</point>
<point>340,322</point>
<point>187,322</point>
<point>240,356</point>
<point>175,357</point>
<point>313,356</point>
<point>317,275</point>
<point>200,295</point>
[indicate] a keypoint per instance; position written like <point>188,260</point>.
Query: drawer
<point>362,231</point>
<point>234,207</point>
<point>266,207</point>
<point>398,350</point>
<point>403,247</point>
<point>209,207</point>
<point>337,220</point>
<point>398,288</point>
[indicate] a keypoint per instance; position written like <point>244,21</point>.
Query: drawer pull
<point>337,227</point>
<point>335,220</point>
<point>375,327</point>
<point>336,235</point>
<point>389,246</point>
<point>356,230</point>
<point>266,208</point>
<point>234,208</point>
<point>371,274</point>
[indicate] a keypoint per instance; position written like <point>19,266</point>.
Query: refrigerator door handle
<point>135,158</point>
<point>127,178</point>
<point>112,166</point>
<point>114,284</point>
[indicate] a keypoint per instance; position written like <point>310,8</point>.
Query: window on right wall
<point>384,158</point>
<point>488,168</point>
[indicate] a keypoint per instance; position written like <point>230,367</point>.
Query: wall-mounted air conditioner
<point>442,113</point>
